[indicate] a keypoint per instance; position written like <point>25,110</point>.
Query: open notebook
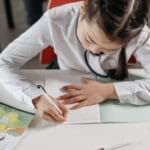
<point>106,112</point>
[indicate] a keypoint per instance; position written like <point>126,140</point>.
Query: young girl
<point>96,35</point>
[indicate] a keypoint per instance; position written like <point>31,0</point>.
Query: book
<point>13,123</point>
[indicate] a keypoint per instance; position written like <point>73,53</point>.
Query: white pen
<point>117,147</point>
<point>45,94</point>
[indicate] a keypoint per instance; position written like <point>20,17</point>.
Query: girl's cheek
<point>83,42</point>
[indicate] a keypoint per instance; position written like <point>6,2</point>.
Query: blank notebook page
<point>90,114</point>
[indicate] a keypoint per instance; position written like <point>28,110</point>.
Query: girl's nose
<point>95,51</point>
<point>92,51</point>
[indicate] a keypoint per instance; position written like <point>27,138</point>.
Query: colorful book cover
<point>13,122</point>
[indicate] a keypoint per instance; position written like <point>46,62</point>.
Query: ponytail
<point>121,72</point>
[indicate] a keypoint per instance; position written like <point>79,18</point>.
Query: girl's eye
<point>87,40</point>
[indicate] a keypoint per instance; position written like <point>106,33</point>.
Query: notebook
<point>57,80</point>
<point>111,111</point>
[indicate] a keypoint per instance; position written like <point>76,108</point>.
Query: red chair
<point>47,56</point>
<point>132,60</point>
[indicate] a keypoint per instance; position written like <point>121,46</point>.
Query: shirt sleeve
<point>137,92</point>
<point>20,51</point>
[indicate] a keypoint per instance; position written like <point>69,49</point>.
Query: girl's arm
<point>134,92</point>
<point>137,92</point>
<point>20,51</point>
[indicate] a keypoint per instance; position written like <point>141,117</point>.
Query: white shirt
<point>57,27</point>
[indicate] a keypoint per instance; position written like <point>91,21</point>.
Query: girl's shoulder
<point>141,40</point>
<point>143,37</point>
<point>145,31</point>
<point>64,11</point>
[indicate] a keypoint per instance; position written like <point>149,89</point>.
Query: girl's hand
<point>89,92</point>
<point>48,112</point>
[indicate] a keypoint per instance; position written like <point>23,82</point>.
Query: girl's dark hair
<point>121,20</point>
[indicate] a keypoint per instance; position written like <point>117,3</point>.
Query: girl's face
<point>94,39</point>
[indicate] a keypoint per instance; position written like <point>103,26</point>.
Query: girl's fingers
<point>48,117</point>
<point>55,114</point>
<point>72,86</point>
<point>65,96</point>
<point>80,105</point>
<point>86,102</point>
<point>75,99</point>
<point>69,95</point>
<point>63,108</point>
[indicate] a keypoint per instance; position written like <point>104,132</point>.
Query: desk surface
<point>85,136</point>
<point>82,136</point>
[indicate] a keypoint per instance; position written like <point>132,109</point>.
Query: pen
<point>115,147</point>
<point>45,94</point>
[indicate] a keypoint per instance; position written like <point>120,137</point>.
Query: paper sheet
<point>90,114</point>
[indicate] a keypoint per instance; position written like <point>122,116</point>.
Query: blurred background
<point>15,17</point>
<point>18,15</point>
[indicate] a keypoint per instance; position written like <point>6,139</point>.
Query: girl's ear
<point>82,8</point>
